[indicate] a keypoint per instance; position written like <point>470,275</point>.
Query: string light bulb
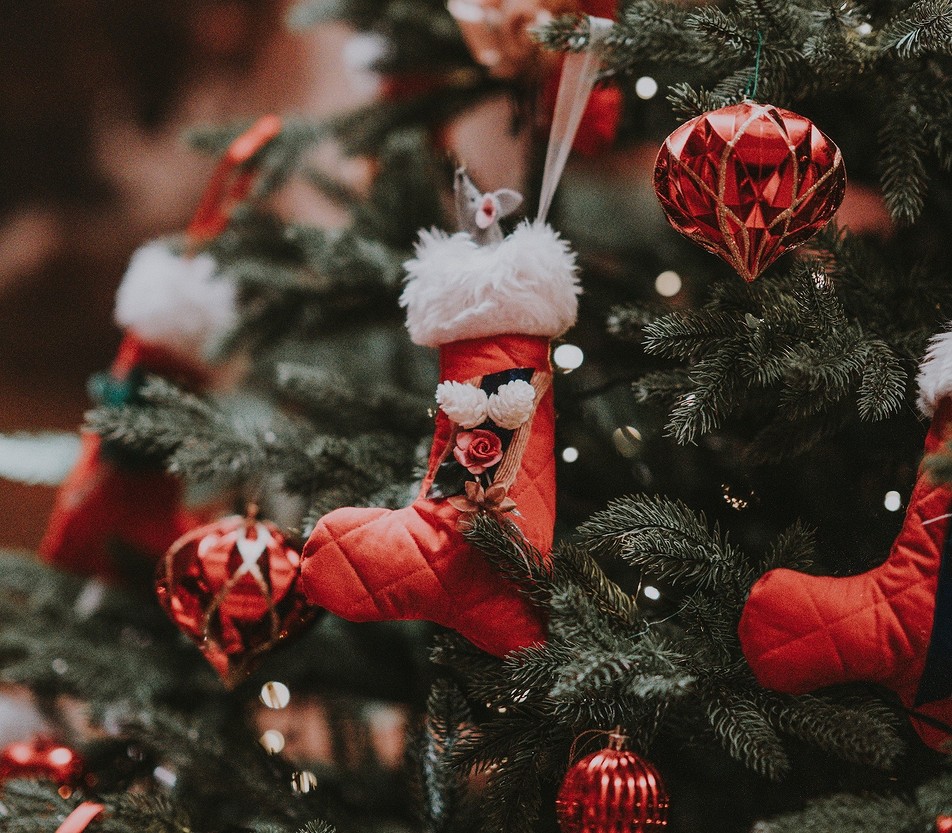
<point>735,499</point>
<point>646,87</point>
<point>568,357</point>
<point>668,283</point>
<point>892,501</point>
<point>303,781</point>
<point>275,695</point>
<point>627,440</point>
<point>272,741</point>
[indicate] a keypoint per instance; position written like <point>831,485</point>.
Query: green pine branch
<point>789,346</point>
<point>925,26</point>
<point>446,724</point>
<point>665,539</point>
<point>746,734</point>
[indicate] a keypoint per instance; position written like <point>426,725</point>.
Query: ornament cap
<point>617,739</point>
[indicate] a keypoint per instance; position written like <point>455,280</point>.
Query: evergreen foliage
<point>750,426</point>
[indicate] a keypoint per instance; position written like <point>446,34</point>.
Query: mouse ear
<point>509,200</point>
<point>465,197</point>
<point>463,186</point>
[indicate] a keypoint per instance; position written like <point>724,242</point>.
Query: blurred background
<point>95,99</point>
<point>93,106</point>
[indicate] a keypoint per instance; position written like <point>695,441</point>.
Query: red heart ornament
<point>232,586</point>
<point>749,182</point>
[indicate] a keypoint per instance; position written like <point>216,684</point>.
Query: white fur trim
<point>462,402</point>
<point>935,372</point>
<point>512,404</point>
<point>176,301</point>
<point>526,285</point>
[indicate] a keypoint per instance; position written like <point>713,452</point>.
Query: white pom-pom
<point>512,404</point>
<point>176,301</point>
<point>463,403</point>
<point>38,458</point>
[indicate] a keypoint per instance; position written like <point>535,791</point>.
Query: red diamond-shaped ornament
<point>748,182</point>
<point>233,587</point>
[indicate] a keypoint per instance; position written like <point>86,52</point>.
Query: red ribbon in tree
<point>231,180</point>
<point>79,819</point>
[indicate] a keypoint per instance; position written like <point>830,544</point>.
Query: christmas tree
<point>714,424</point>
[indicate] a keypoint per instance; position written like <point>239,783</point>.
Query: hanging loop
<point>230,182</point>
<point>579,71</point>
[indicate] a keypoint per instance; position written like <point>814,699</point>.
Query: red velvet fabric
<point>801,633</point>
<point>101,503</point>
<point>413,563</point>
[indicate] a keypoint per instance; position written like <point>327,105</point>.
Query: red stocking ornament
<point>889,626</point>
<point>172,308</point>
<point>492,311</point>
<point>491,304</point>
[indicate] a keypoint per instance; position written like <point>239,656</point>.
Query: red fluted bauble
<point>748,182</point>
<point>41,757</point>
<point>612,791</point>
<point>233,587</point>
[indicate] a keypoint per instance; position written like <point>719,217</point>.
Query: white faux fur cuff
<point>457,290</point>
<point>935,372</point>
<point>175,301</point>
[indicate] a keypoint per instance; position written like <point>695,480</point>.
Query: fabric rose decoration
<point>512,404</point>
<point>477,450</point>
<point>463,403</point>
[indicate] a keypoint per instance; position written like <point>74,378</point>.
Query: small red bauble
<point>233,587</point>
<point>41,757</point>
<point>748,182</point>
<point>612,791</point>
<point>943,824</point>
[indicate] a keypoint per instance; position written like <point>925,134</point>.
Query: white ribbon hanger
<point>579,71</point>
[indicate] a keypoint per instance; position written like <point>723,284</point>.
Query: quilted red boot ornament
<point>892,625</point>
<point>172,307</point>
<point>491,304</point>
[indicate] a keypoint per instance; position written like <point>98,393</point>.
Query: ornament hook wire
<point>750,91</point>
<point>615,736</point>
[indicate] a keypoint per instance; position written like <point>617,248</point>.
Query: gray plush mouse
<point>479,213</point>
